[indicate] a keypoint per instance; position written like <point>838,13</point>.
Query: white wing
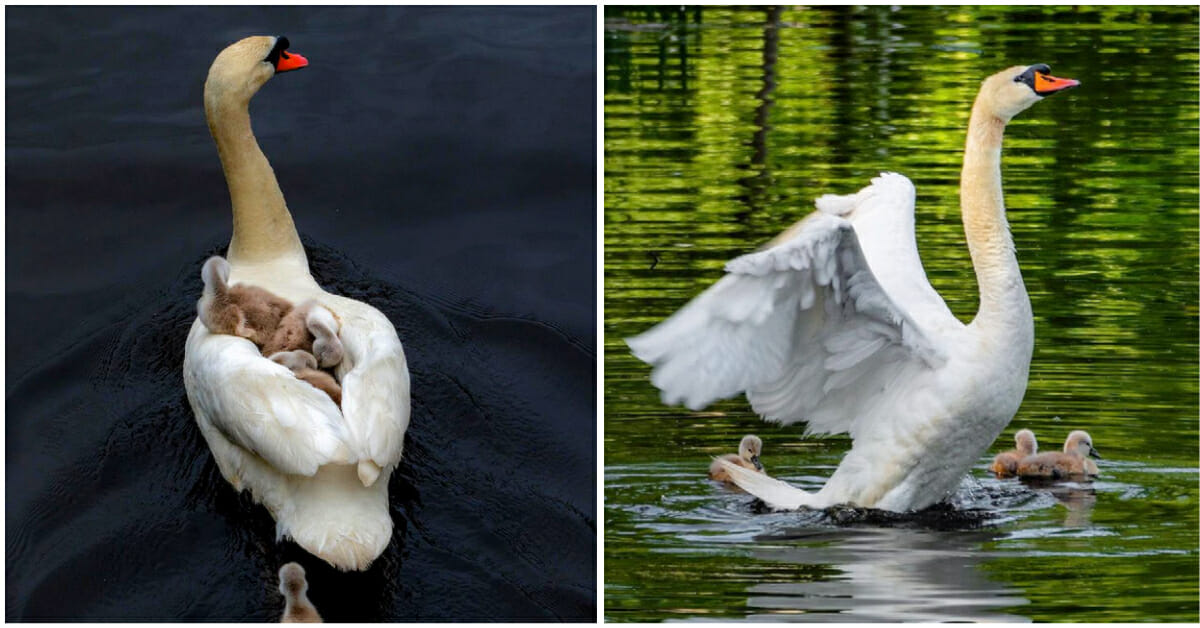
<point>260,406</point>
<point>375,385</point>
<point>805,327</point>
<point>775,493</point>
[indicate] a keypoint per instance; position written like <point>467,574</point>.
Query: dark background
<point>440,165</point>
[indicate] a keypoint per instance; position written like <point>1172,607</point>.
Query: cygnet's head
<point>324,326</point>
<point>243,67</point>
<point>1080,444</point>
<point>1026,442</point>
<point>291,580</point>
<point>1011,91</point>
<point>750,449</point>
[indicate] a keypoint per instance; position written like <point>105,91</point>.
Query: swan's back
<point>325,472</point>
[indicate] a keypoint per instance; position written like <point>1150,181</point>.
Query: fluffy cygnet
<point>1005,464</point>
<point>294,587</point>
<point>309,327</point>
<point>747,456</point>
<point>304,366</point>
<point>267,320</point>
<point>1071,461</point>
<point>246,311</point>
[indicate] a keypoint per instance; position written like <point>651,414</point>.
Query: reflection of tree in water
<point>623,25</point>
<point>758,181</point>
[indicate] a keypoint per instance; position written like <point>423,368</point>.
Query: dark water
<point>440,164</point>
<point>721,127</point>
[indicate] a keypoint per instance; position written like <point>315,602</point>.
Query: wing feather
<point>806,327</point>
<point>375,386</point>
<point>261,406</point>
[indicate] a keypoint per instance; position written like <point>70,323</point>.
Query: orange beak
<point>1045,84</point>
<point>289,61</point>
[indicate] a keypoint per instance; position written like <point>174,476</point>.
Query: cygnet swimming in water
<point>294,587</point>
<point>304,366</point>
<point>1005,464</point>
<point>266,319</point>
<point>746,457</point>
<point>1071,461</point>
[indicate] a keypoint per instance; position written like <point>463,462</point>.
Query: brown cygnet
<point>294,587</point>
<point>246,311</point>
<point>304,366</point>
<point>747,456</point>
<point>1005,464</point>
<point>266,319</point>
<point>1072,461</point>
<point>309,327</point>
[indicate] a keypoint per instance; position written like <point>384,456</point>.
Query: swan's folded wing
<point>803,327</point>
<point>375,389</point>
<point>260,406</point>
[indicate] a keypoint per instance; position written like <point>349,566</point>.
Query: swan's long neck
<point>262,226</point>
<point>1002,297</point>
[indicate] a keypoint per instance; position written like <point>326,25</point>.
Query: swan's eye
<point>277,52</point>
<point>1029,76</point>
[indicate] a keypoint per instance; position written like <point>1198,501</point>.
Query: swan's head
<point>1026,442</point>
<point>1080,444</point>
<point>750,449</point>
<point>291,580</point>
<point>1007,93</point>
<point>242,68</point>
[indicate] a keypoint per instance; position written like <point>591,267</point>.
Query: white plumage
<point>322,473</point>
<point>834,323</point>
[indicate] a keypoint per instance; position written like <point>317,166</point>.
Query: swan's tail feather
<point>368,472</point>
<point>776,494</point>
<point>334,517</point>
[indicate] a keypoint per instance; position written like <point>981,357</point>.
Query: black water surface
<point>440,165</point>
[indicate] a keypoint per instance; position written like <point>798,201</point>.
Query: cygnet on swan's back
<point>242,310</point>
<point>268,320</point>
<point>309,327</point>
<point>303,365</point>
<point>1005,464</point>
<point>1071,461</point>
<point>294,587</point>
<point>746,457</point>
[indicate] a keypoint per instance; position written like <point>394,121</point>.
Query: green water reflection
<point>721,127</point>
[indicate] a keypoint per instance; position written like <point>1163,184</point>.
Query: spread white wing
<point>820,326</point>
<point>260,406</point>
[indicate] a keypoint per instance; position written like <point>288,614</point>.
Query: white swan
<point>321,472</point>
<point>835,323</point>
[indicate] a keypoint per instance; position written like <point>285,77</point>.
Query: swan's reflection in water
<point>723,555</point>
<point>882,575</point>
<point>901,568</point>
